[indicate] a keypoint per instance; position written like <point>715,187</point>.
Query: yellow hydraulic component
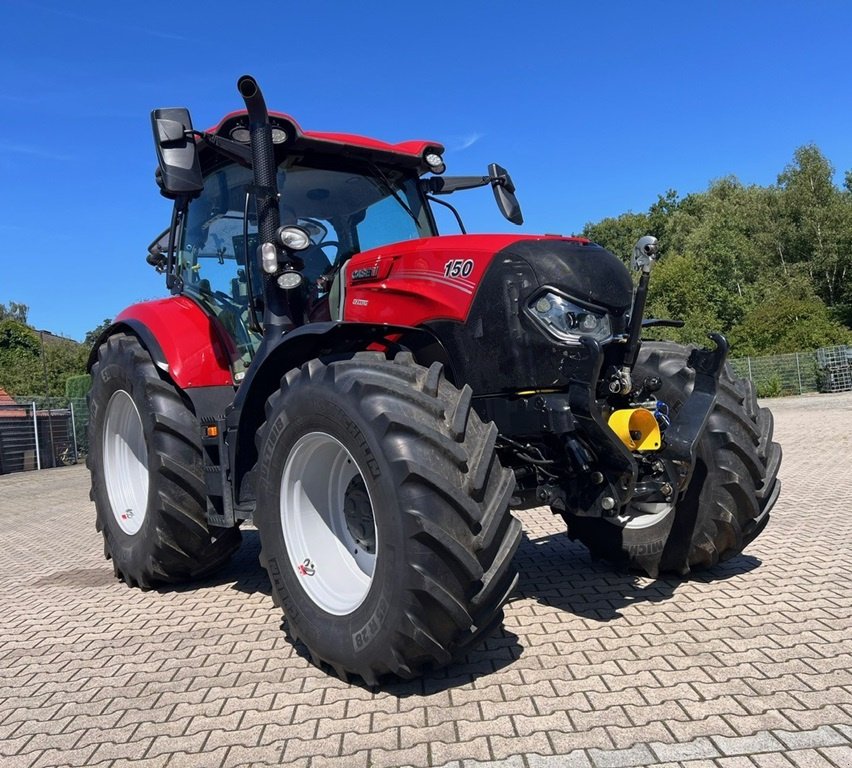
<point>636,428</point>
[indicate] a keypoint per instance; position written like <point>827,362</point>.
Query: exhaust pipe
<point>276,312</point>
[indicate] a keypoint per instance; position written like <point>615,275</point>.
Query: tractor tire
<point>732,489</point>
<point>147,475</point>
<point>383,515</point>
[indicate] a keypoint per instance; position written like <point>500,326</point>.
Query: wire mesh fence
<point>779,375</point>
<point>828,369</point>
<point>40,433</point>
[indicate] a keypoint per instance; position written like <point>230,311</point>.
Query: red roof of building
<point>5,401</point>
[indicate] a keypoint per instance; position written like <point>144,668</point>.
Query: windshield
<point>361,208</point>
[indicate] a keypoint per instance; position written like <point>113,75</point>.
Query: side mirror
<point>180,171</point>
<point>504,193</point>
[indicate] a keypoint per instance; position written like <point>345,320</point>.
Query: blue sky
<point>594,108</point>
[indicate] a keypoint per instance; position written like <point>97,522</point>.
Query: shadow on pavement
<point>560,573</point>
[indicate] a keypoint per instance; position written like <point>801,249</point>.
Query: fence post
<point>74,432</point>
<point>35,432</point>
<point>750,377</point>
<point>799,373</point>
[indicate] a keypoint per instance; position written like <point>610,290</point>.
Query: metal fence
<point>828,369</point>
<point>39,433</point>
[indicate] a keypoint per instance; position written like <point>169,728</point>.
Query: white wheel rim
<point>125,459</point>
<point>328,551</point>
<point>641,515</point>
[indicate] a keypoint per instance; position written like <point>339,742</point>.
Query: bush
<point>770,387</point>
<point>77,387</point>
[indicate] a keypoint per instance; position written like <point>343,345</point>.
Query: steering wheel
<point>229,301</point>
<point>316,266</point>
<point>322,229</point>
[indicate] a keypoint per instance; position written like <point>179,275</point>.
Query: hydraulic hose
<point>276,312</point>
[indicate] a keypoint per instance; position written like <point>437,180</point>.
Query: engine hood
<point>584,270</point>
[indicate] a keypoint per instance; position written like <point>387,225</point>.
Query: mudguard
<point>184,341</point>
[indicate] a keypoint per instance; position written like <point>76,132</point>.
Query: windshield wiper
<point>388,187</point>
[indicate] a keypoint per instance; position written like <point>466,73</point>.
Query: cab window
<point>211,260</point>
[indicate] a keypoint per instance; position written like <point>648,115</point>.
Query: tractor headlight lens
<point>566,320</point>
<point>289,279</point>
<point>294,238</point>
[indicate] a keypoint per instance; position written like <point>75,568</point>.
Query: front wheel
<point>147,474</point>
<point>383,515</point>
<point>731,492</point>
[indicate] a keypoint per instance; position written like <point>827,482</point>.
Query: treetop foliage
<point>38,363</point>
<point>771,267</point>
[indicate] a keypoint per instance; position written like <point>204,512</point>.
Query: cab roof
<point>407,153</point>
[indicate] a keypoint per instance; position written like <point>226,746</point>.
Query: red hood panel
<point>416,281</point>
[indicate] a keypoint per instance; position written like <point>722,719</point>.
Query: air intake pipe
<point>276,312</point>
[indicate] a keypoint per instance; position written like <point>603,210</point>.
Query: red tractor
<point>374,397</point>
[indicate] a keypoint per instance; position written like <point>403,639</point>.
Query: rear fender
<point>185,342</point>
<point>298,347</point>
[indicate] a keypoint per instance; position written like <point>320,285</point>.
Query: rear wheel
<point>383,515</point>
<point>147,475</point>
<point>731,492</point>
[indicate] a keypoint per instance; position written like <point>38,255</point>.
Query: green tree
<point>93,335</point>
<point>821,221</point>
<point>679,292</point>
<point>19,357</point>
<point>619,234</point>
<point>790,320</point>
<point>14,311</point>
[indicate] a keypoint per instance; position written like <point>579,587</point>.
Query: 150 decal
<point>458,268</point>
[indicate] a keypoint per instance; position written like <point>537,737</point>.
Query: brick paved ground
<point>748,665</point>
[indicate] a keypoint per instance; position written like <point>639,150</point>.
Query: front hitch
<point>683,434</point>
<point>617,465</point>
<point>617,469</point>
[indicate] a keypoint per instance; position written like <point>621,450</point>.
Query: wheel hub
<point>358,513</point>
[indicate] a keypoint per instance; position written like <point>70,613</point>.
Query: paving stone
<point>621,758</point>
<point>576,759</point>
<point>691,750</point>
<point>746,745</point>
<point>740,761</point>
<point>747,664</point>
<point>771,760</point>
<point>467,749</point>
<point>824,736</point>
<point>808,758</point>
<point>840,757</point>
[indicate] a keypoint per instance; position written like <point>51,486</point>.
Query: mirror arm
<point>233,150</point>
<point>440,185</point>
<point>447,205</point>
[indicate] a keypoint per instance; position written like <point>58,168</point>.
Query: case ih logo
<point>365,273</point>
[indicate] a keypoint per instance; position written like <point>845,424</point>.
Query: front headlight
<point>566,320</point>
